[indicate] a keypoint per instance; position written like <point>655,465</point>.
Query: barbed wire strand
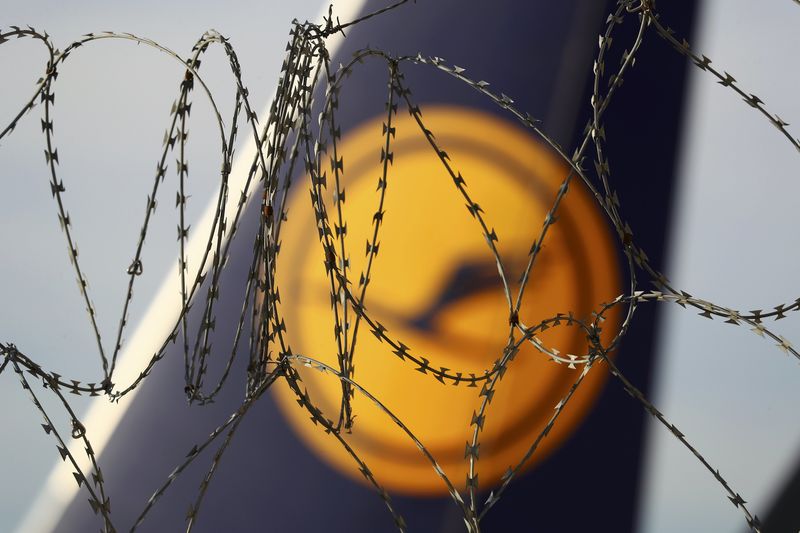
<point>288,138</point>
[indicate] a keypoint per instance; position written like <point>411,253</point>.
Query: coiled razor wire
<point>288,140</point>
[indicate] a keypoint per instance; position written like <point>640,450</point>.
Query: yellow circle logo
<point>435,287</point>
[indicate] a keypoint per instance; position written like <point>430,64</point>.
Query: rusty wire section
<point>291,141</point>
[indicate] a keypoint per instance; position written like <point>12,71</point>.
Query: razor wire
<point>289,142</point>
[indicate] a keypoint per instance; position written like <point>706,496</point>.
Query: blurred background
<point>731,238</point>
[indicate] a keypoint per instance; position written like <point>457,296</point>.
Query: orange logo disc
<point>435,287</point>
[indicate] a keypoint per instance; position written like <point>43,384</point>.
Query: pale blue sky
<point>734,242</point>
